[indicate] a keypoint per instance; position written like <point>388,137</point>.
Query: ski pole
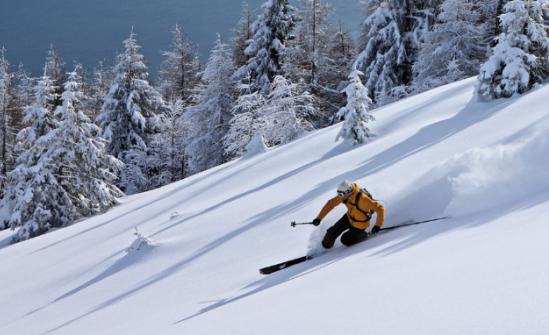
<point>293,224</point>
<point>414,223</point>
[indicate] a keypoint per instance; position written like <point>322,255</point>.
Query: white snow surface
<point>484,271</point>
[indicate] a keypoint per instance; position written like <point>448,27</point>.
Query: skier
<point>360,207</point>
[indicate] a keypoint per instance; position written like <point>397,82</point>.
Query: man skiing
<point>352,226</point>
<point>360,207</point>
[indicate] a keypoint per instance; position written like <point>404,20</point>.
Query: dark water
<point>90,30</point>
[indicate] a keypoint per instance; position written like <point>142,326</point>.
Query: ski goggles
<point>342,194</point>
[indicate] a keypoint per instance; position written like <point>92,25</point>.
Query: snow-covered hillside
<point>484,271</point>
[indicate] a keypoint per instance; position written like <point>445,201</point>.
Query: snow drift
<point>502,176</point>
<point>499,176</point>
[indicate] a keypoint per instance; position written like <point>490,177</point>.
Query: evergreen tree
<point>392,34</point>
<point>6,84</point>
<point>520,58</point>
<point>384,58</point>
<point>130,116</point>
<point>102,80</point>
<point>334,74</point>
<point>267,45</point>
<point>311,59</point>
<point>489,11</point>
<point>25,86</point>
<point>278,118</point>
<point>245,123</point>
<point>307,51</point>
<point>355,113</point>
<point>419,22</point>
<point>55,70</point>
<point>341,51</point>
<point>285,113</point>
<point>23,97</point>
<point>212,113</point>
<point>35,199</point>
<point>179,71</point>
<point>170,145</point>
<point>453,49</point>
<point>242,34</point>
<point>84,169</point>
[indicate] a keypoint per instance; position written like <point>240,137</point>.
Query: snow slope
<point>484,271</point>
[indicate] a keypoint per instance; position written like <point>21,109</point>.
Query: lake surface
<point>87,31</point>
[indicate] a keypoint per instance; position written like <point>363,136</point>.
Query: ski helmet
<point>346,187</point>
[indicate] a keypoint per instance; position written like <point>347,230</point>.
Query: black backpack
<point>365,191</point>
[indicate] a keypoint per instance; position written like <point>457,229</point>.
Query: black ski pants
<point>351,236</point>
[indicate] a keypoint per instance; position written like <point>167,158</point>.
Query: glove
<point>375,230</point>
<point>316,222</point>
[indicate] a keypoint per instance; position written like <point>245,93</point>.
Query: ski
<point>280,266</point>
<point>277,267</point>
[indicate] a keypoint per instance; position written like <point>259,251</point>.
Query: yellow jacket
<point>359,211</point>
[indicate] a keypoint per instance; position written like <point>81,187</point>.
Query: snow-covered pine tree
<point>278,118</point>
<point>35,199</point>
<point>283,117</point>
<point>179,71</point>
<point>454,49</point>
<point>334,73</point>
<point>417,24</point>
<point>130,116</point>
<point>384,58</point>
<point>10,120</point>
<point>55,70</point>
<point>308,59</point>
<point>6,97</point>
<point>24,96</point>
<point>489,11</point>
<point>392,34</point>
<point>245,122</point>
<point>242,35</point>
<point>267,45</point>
<point>170,145</point>
<point>341,50</point>
<point>521,56</point>
<point>306,51</point>
<point>101,83</point>
<point>355,113</point>
<point>84,169</point>
<point>25,85</point>
<point>420,21</point>
<point>211,115</point>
